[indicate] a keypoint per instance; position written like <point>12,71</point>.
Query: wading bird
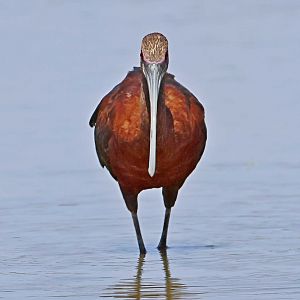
<point>150,132</point>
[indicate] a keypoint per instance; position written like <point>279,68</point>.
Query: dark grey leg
<point>138,233</point>
<point>163,240</point>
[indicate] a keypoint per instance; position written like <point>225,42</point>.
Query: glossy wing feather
<point>188,113</point>
<point>100,119</point>
<point>94,116</point>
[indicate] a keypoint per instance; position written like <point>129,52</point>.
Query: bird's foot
<point>143,251</point>
<point>162,246</point>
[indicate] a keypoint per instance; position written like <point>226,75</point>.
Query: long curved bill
<point>153,75</point>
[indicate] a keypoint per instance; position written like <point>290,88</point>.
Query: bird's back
<point>122,128</point>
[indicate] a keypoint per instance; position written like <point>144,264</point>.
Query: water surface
<point>65,231</point>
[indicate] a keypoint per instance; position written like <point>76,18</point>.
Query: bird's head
<point>154,49</point>
<point>154,64</point>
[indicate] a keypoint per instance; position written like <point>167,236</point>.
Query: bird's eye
<point>142,56</point>
<point>167,55</point>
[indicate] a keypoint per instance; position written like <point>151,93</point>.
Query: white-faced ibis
<point>150,132</point>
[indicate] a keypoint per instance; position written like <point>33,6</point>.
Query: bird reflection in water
<point>137,288</point>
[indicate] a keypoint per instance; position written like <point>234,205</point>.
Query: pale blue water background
<point>65,231</point>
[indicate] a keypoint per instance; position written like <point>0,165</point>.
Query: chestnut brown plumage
<point>150,132</point>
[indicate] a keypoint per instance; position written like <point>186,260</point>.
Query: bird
<point>150,132</point>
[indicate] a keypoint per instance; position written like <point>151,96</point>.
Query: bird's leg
<point>130,198</point>
<point>163,240</point>
<point>138,233</point>
<point>170,196</point>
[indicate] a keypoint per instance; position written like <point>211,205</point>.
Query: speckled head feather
<point>154,47</point>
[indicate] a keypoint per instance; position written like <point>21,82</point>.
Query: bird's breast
<point>123,130</point>
<point>130,114</point>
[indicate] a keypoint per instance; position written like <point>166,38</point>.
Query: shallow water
<point>65,231</point>
<point>227,239</point>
